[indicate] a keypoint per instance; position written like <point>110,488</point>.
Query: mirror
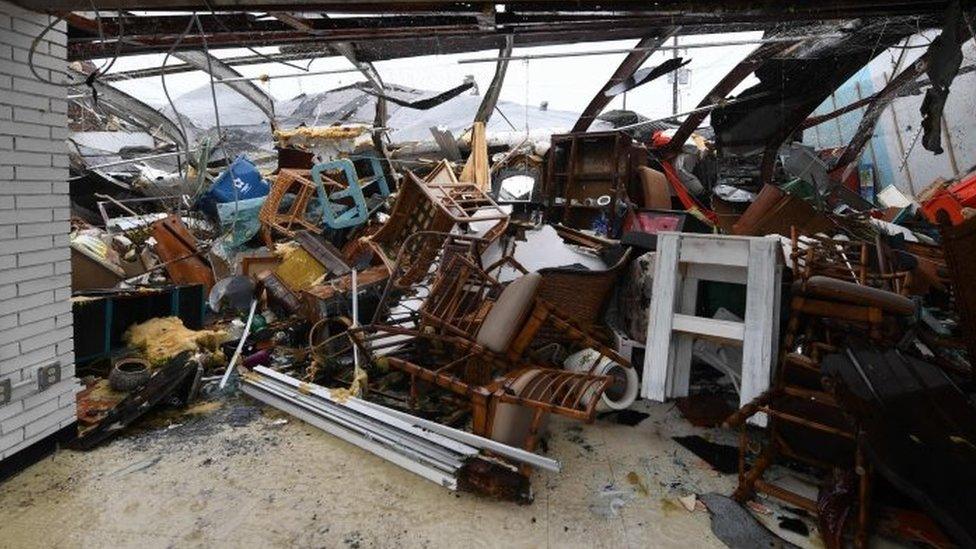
<point>516,188</point>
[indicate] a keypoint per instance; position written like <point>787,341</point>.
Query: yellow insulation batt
<point>321,132</point>
<point>163,338</point>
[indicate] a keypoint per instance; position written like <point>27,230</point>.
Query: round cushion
<point>508,313</point>
<point>834,289</point>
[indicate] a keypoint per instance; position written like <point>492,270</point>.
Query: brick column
<point>35,266</point>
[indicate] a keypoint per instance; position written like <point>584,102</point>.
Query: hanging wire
<point>33,48</point>
<point>54,22</point>
<point>101,35</point>
<point>213,87</point>
<point>94,75</point>
<point>220,131</point>
<point>252,50</point>
<point>169,99</point>
<point>526,106</point>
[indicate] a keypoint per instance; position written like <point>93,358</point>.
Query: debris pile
<point>438,311</point>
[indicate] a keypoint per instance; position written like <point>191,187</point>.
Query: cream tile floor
<point>237,476</point>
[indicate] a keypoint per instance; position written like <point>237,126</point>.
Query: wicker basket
<point>577,294</point>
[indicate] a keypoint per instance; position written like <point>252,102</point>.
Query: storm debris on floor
<point>489,311</point>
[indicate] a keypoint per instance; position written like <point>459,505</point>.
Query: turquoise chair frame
<point>358,213</point>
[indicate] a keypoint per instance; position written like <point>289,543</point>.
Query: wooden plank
<point>680,369</point>
<point>761,299</point>
<point>446,143</point>
<point>476,168</point>
<point>717,273</point>
<point>717,250</point>
<point>657,357</point>
<point>724,330</point>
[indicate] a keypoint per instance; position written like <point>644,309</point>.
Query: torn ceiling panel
<point>130,109</point>
<point>424,102</point>
<point>221,71</point>
<point>790,88</point>
<point>945,58</point>
<point>647,45</point>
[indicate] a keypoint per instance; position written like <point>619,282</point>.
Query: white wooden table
<point>683,259</point>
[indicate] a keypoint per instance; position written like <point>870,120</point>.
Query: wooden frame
<point>817,326</point>
<point>287,223</point>
<point>424,207</point>
<point>437,341</point>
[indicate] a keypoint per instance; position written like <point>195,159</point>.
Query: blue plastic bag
<point>242,218</point>
<point>242,175</point>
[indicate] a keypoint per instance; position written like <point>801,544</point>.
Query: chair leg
<point>748,479</point>
<point>533,438</point>
<point>864,472</point>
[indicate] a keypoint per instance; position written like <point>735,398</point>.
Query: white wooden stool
<point>683,259</point>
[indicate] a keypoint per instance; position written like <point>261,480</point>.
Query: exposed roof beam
<point>221,71</point>
<point>231,61</point>
<point>420,32</point>
<point>129,108</point>
<point>293,21</point>
<point>720,8</point>
<point>644,50</point>
<point>200,60</point>
<point>490,99</point>
<point>724,87</point>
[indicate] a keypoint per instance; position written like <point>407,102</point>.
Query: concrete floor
<point>235,474</point>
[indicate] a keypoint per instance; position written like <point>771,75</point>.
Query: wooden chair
<point>805,422</point>
<point>408,242</point>
<point>294,218</point>
<point>849,260</point>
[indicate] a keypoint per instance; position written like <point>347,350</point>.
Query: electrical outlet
<point>48,375</point>
<point>5,390</point>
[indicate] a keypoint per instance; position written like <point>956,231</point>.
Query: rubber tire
<point>128,374</point>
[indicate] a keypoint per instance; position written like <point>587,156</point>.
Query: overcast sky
<point>566,83</point>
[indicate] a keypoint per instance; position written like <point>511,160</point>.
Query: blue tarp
<point>241,181</point>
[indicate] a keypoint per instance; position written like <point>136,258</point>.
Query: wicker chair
<point>469,335</point>
<point>423,206</point>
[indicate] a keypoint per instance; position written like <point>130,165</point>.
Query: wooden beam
<point>487,106</point>
<point>722,330</point>
<point>293,21</point>
<point>724,87</point>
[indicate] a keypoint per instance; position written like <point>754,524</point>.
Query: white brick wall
<point>35,284</point>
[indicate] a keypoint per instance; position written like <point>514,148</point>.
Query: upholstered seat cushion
<point>825,287</point>
<point>508,313</point>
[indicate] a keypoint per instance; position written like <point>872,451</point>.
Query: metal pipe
<point>355,324</point>
<point>661,48</point>
<point>139,159</point>
<point>267,77</point>
<point>353,407</point>
<point>396,430</point>
<point>463,437</point>
<point>674,87</point>
<point>706,108</point>
<point>240,344</point>
<point>440,458</point>
<point>440,477</point>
